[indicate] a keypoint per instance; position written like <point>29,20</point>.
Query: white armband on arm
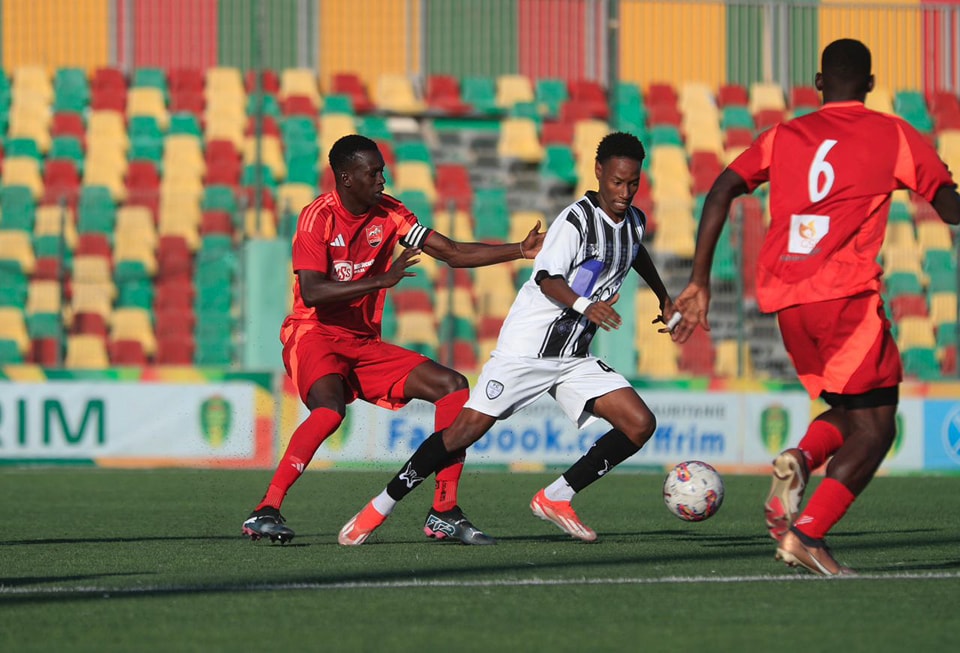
<point>581,305</point>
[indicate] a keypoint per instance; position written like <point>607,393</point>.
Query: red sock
<point>820,442</point>
<point>448,478</point>
<point>825,508</point>
<point>303,444</point>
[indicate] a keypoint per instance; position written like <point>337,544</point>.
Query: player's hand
<point>398,269</point>
<point>533,242</point>
<point>692,304</point>
<point>669,317</point>
<point>603,314</point>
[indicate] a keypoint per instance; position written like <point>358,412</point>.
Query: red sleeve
<point>918,166</point>
<point>753,164</point>
<point>310,243</point>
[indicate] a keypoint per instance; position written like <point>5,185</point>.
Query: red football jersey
<point>831,173</point>
<point>346,247</point>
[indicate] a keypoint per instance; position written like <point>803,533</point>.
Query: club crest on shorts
<point>374,235</point>
<point>343,270</point>
<point>494,389</point>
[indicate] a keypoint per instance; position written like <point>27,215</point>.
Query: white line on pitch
<point>502,582</point>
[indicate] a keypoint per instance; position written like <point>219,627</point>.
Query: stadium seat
<point>86,351</point>
<point>443,96</point>
<point>395,94</point>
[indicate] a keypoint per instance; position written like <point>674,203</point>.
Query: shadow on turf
<point>118,540</point>
<point>36,580</point>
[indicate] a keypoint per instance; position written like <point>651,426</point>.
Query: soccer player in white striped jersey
<point>544,347</point>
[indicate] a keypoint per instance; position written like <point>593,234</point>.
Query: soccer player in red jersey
<point>332,348</point>
<point>831,175</point>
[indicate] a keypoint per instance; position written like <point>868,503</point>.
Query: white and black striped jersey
<point>594,254</point>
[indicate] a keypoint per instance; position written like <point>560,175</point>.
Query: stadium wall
<point>186,417</point>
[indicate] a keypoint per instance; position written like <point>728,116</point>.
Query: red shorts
<point>372,370</point>
<point>843,346</point>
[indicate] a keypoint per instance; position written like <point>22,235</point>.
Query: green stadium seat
<point>414,151</point>
<point>13,285</point>
<point>249,175</point>
<point>375,127</point>
<point>550,93</point>
<point>900,283</point>
<point>342,104</point>
<point>214,352</point>
<point>10,352</point>
<point>419,204</point>
<point>212,325</point>
<point>270,105</point>
<point>151,78</point>
<point>296,128</point>
<point>912,107</point>
<point>481,94</point>
<point>68,147</point>
<point>185,123</point>
<point>139,294</point>
<point>96,210</point>
<point>130,270</point>
<point>559,163</point>
<point>491,214</point>
<point>17,208</point>
<point>734,116</point>
<point>45,325</point>
<point>23,146</point>
<point>724,260</point>
<point>219,198</point>
<point>664,135</point>
<point>921,362</point>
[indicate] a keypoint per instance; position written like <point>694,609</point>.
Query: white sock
<point>384,503</point>
<point>559,490</point>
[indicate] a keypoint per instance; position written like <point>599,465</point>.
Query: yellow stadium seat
<point>669,161</point>
<point>674,190</point>
<point>107,127</point>
<point>92,298</point>
<point>943,308</point>
<point>933,234</point>
<point>462,225</point>
<point>136,223</point>
<point>44,296</point>
<point>15,245</point>
<point>675,235</point>
<point>726,363</point>
<point>271,153</point>
<point>35,79</point>
<point>175,221</point>
<point>99,172</point>
<point>658,360</point>
<point>462,303</point>
<point>880,99</point>
<point>519,140</point>
<point>731,153</point>
<point>148,101</point>
<point>395,94</point>
<point>86,352</point>
<point>587,135</point>
<point>31,122</point>
<point>416,175</point>
<point>521,222</point>
<point>766,95</point>
<point>181,187</point>
<point>131,323</point>
<point>417,327</point>
<point>91,269</point>
<point>697,98</point>
<point>53,220</point>
<point>900,235</point>
<point>915,331</point>
<point>902,259</point>
<point>292,197</point>
<point>299,81</point>
<point>334,126</point>
<point>128,248</point>
<point>493,285</point>
<point>23,171</point>
<point>512,89</point>
<point>224,79</point>
<point>183,156</point>
<point>948,146</point>
<point>264,229</point>
<point>13,326</point>
<point>224,130</point>
<point>703,136</point>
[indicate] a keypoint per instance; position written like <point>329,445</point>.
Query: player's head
<point>845,71</point>
<point>619,157</point>
<point>358,168</point>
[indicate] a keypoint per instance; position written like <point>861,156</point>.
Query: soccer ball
<point>693,491</point>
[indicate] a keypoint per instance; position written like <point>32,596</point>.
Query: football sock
<point>448,478</point>
<point>424,461</point>
<point>821,441</point>
<point>825,508</point>
<point>559,490</point>
<point>606,453</point>
<point>384,503</point>
<point>304,442</point>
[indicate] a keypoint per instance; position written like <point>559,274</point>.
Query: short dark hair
<point>347,147</point>
<point>620,144</point>
<point>847,60</point>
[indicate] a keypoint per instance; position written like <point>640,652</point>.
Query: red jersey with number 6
<point>347,247</point>
<point>831,174</point>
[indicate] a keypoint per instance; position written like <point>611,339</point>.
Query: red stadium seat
<point>453,184</point>
<point>908,305</point>
<point>68,124</point>
<point>804,96</point>
<point>93,244</point>
<point>175,350</point>
<point>698,355</point>
<point>298,105</point>
<point>732,95</point>
<point>46,352</point>
<point>269,127</point>
<point>174,260</point>
<point>187,102</point>
<point>443,95</point>
<point>216,222</point>
<point>49,268</point>
<point>142,175</point>
<point>174,295</point>
<point>557,133</point>
<point>127,352</point>
<point>61,182</point>
<point>186,79</point>
<point>659,93</point>
<point>665,114</point>
<point>766,118</point>
<point>738,137</point>
<point>175,320</point>
<point>269,81</point>
<point>351,85</point>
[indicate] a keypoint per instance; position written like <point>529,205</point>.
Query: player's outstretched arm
<point>473,255</point>
<point>317,289</point>
<point>947,204</point>
<point>600,313</point>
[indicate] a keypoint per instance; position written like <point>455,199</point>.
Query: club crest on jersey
<point>343,270</point>
<point>374,235</point>
<point>494,389</point>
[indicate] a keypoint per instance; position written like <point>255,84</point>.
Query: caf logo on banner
<point>216,416</point>
<point>775,428</point>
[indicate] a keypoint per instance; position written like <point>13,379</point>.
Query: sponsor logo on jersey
<point>494,389</point>
<point>343,270</point>
<point>374,234</point>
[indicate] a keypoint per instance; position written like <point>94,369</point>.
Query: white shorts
<point>510,383</point>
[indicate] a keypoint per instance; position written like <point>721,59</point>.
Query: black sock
<point>606,453</point>
<point>427,459</point>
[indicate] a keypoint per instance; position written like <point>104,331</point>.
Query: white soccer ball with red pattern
<point>693,491</point>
